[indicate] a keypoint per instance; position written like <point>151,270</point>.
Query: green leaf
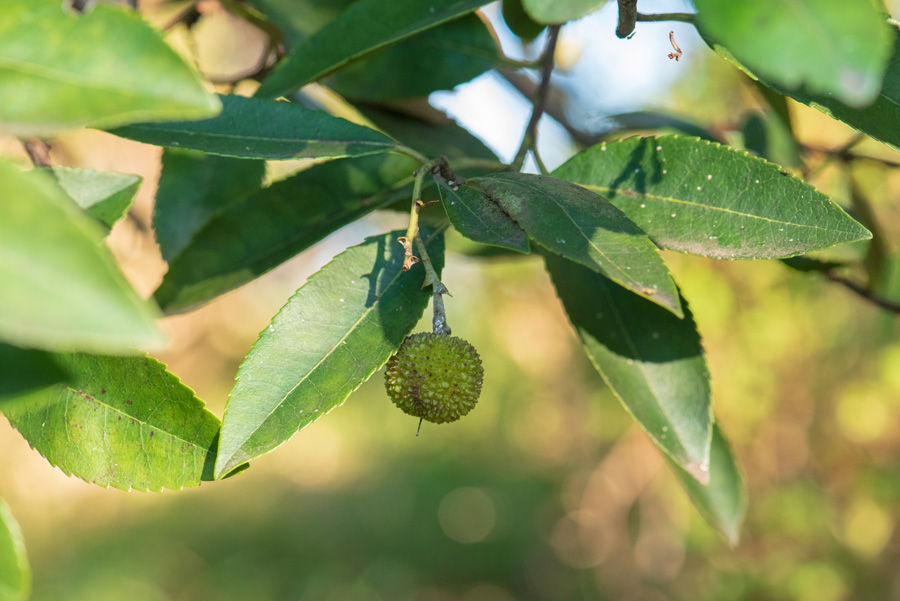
<point>765,135</point>
<point>365,26</point>
<point>550,12</point>
<point>272,225</point>
<point>15,573</point>
<point>24,370</point>
<point>123,422</point>
<point>104,68</point>
<point>583,227</point>
<point>438,59</point>
<point>703,198</point>
<point>651,360</point>
<point>828,47</point>
<point>329,338</point>
<point>104,196</point>
<point>193,188</point>
<point>644,120</point>
<point>519,22</point>
<point>483,221</point>
<point>299,20</point>
<point>723,501</point>
<point>250,128</point>
<point>61,288</point>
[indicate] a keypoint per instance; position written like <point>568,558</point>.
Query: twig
<point>877,251</point>
<point>678,52</point>
<point>439,315</point>
<point>409,259</point>
<point>38,151</point>
<point>528,140</point>
<point>627,18</point>
<point>864,292</point>
<point>682,17</point>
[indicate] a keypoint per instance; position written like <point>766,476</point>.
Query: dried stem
<point>540,99</point>
<point>38,151</point>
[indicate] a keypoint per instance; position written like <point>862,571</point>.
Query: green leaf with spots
<point>269,227</point>
<point>826,47</point>
<point>104,196</point>
<point>24,370</point>
<point>55,74</point>
<point>481,220</point>
<point>330,337</point>
<point>250,128</point>
<point>365,26</point>
<point>651,360</point>
<point>123,422</point>
<point>195,187</point>
<point>550,12</point>
<point>707,199</point>
<point>61,287</point>
<point>583,227</point>
<point>15,573</point>
<point>723,500</point>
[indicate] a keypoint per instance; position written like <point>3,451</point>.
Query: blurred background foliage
<point>546,491</point>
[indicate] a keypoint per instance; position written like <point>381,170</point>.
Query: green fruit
<point>434,377</point>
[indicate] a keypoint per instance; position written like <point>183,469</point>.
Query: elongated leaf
<point>15,573</point>
<point>652,360</point>
<point>550,12</point>
<point>723,501</point>
<point>57,71</point>
<point>104,196</point>
<point>299,20</point>
<point>274,224</point>
<point>703,198</point>
<point>583,227</point>
<point>61,289</point>
<point>123,422</point>
<point>250,128</point>
<point>828,47</point>
<point>437,59</point>
<point>24,370</point>
<point>363,27</point>
<point>194,187</point>
<point>329,338</point>
<point>481,220</point>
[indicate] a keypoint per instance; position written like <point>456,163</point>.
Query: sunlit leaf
<point>481,220</point>
<point>274,224</point>
<point>723,501</point>
<point>61,289</point>
<point>58,70</point>
<point>651,360</point>
<point>549,12</point>
<point>365,26</point>
<point>707,199</point>
<point>329,338</point>
<point>828,47</point>
<point>15,573</point>
<point>194,187</point>
<point>123,422</point>
<point>250,128</point>
<point>584,227</point>
<point>104,196</point>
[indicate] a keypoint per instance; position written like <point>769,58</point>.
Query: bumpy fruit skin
<point>435,377</point>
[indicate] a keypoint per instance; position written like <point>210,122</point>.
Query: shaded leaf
<point>123,422</point>
<point>519,22</point>
<point>55,75</point>
<point>550,12</point>
<point>194,187</point>
<point>299,20</point>
<point>104,196</point>
<point>274,224</point>
<point>15,573</point>
<point>651,360</point>
<point>828,47</point>
<point>708,199</point>
<point>481,220</point>
<point>365,26</point>
<point>61,288</point>
<point>583,227</point>
<point>637,120</point>
<point>24,370</point>
<point>766,136</point>
<point>438,59</point>
<point>329,338</point>
<point>250,128</point>
<point>723,501</point>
